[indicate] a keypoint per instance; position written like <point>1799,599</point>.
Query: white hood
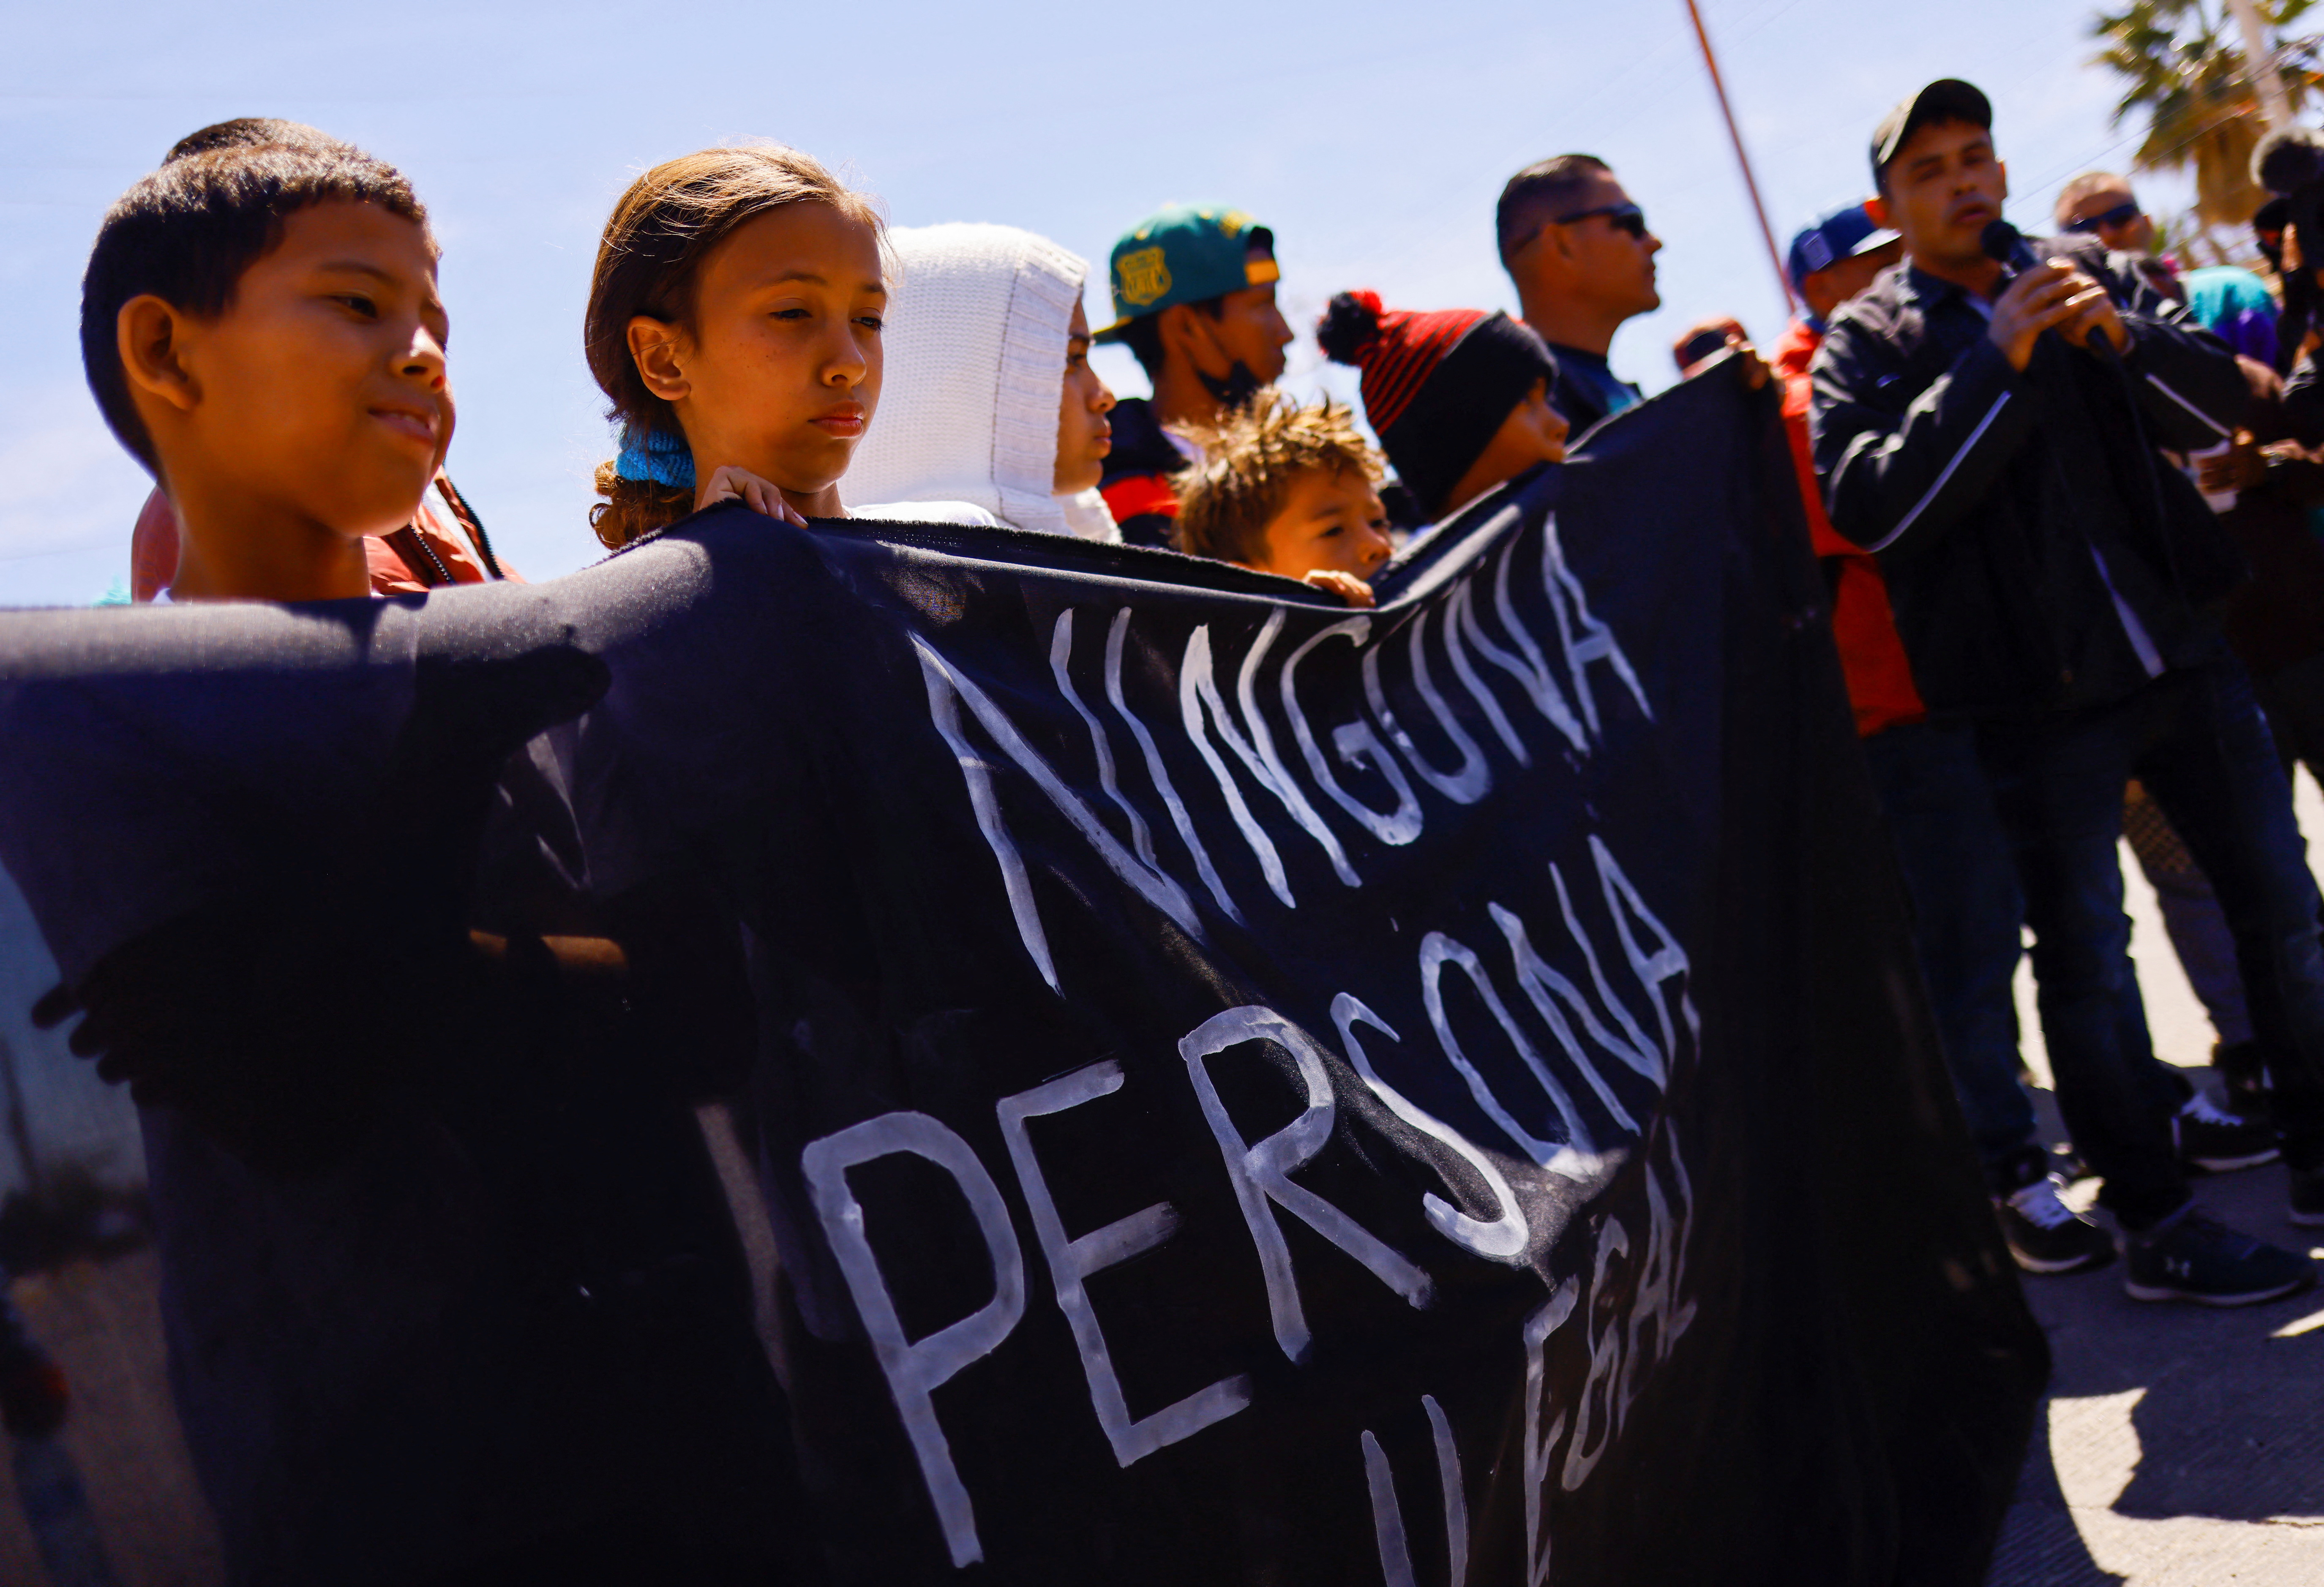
<point>976,372</point>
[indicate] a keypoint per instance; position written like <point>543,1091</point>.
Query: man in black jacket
<point>1993,436</point>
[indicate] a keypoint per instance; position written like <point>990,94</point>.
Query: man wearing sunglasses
<point>2099,203</point>
<point>1584,262</point>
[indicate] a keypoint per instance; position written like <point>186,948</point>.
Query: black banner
<point>1249,1090</point>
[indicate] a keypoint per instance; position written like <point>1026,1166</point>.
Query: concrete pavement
<point>2181,1446</point>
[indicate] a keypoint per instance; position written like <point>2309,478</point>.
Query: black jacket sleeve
<point>2303,402</point>
<point>2190,390</point>
<point>1899,474</point>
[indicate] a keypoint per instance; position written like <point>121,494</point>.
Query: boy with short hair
<point>262,329</point>
<point>1289,489</point>
<point>445,543</point>
<point>450,1291</point>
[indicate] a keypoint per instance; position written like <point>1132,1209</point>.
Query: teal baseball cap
<point>1185,253</point>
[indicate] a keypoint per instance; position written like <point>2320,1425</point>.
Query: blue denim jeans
<point>1967,917</point>
<point>2196,739</point>
<point>2191,916</point>
<point>2293,700</point>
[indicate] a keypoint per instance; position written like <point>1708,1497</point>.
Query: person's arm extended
<point>281,1023</point>
<point>280,1015</point>
<point>1896,478</point>
<point>2293,473</point>
<point>2190,390</point>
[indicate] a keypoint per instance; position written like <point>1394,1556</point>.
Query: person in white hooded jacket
<point>990,411</point>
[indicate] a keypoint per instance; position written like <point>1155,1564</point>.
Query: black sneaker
<point>2192,1257</point>
<point>2307,1198</point>
<point>2219,1142</point>
<point>2046,1235</point>
<point>2243,1068</point>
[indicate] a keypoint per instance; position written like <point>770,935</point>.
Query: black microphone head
<point>2003,244</point>
<point>2288,159</point>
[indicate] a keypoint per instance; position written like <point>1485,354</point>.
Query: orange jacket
<point>1871,655</point>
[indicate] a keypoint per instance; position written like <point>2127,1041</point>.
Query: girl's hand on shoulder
<point>1346,585</point>
<point>740,484</point>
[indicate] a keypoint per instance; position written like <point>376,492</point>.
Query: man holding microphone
<point>1990,431</point>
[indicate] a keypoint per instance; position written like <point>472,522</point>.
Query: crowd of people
<point>2040,481</point>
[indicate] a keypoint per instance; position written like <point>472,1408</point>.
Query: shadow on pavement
<point>2040,1544</point>
<point>2158,1411</point>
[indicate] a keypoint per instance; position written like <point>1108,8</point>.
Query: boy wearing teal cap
<point>1193,298</point>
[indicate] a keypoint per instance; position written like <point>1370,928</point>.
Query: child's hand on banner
<point>1346,585</point>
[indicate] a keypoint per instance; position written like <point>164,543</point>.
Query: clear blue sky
<point>1373,138</point>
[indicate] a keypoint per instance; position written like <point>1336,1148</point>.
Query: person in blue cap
<point>1836,256</point>
<point>1194,301</point>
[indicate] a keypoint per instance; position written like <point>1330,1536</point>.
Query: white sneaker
<point>2046,1235</point>
<point>2210,1139</point>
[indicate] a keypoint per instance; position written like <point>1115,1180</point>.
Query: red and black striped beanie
<point>1436,386</point>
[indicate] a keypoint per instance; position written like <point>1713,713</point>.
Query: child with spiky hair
<point>1289,489</point>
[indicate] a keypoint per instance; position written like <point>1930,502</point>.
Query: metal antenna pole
<point>1735,135</point>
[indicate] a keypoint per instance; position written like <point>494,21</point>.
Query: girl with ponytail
<point>733,325</point>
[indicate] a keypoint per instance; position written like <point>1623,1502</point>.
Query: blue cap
<point>1842,233</point>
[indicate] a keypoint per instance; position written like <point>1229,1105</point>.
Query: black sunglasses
<point>1622,218</point>
<point>2120,215</point>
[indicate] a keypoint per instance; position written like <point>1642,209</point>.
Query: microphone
<point>2006,247</point>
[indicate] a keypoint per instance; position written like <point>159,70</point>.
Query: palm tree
<point>2184,63</point>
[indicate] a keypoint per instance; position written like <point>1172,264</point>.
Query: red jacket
<point>1871,655</point>
<point>400,563</point>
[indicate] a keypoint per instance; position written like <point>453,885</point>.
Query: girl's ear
<point>150,337</point>
<point>653,348</point>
